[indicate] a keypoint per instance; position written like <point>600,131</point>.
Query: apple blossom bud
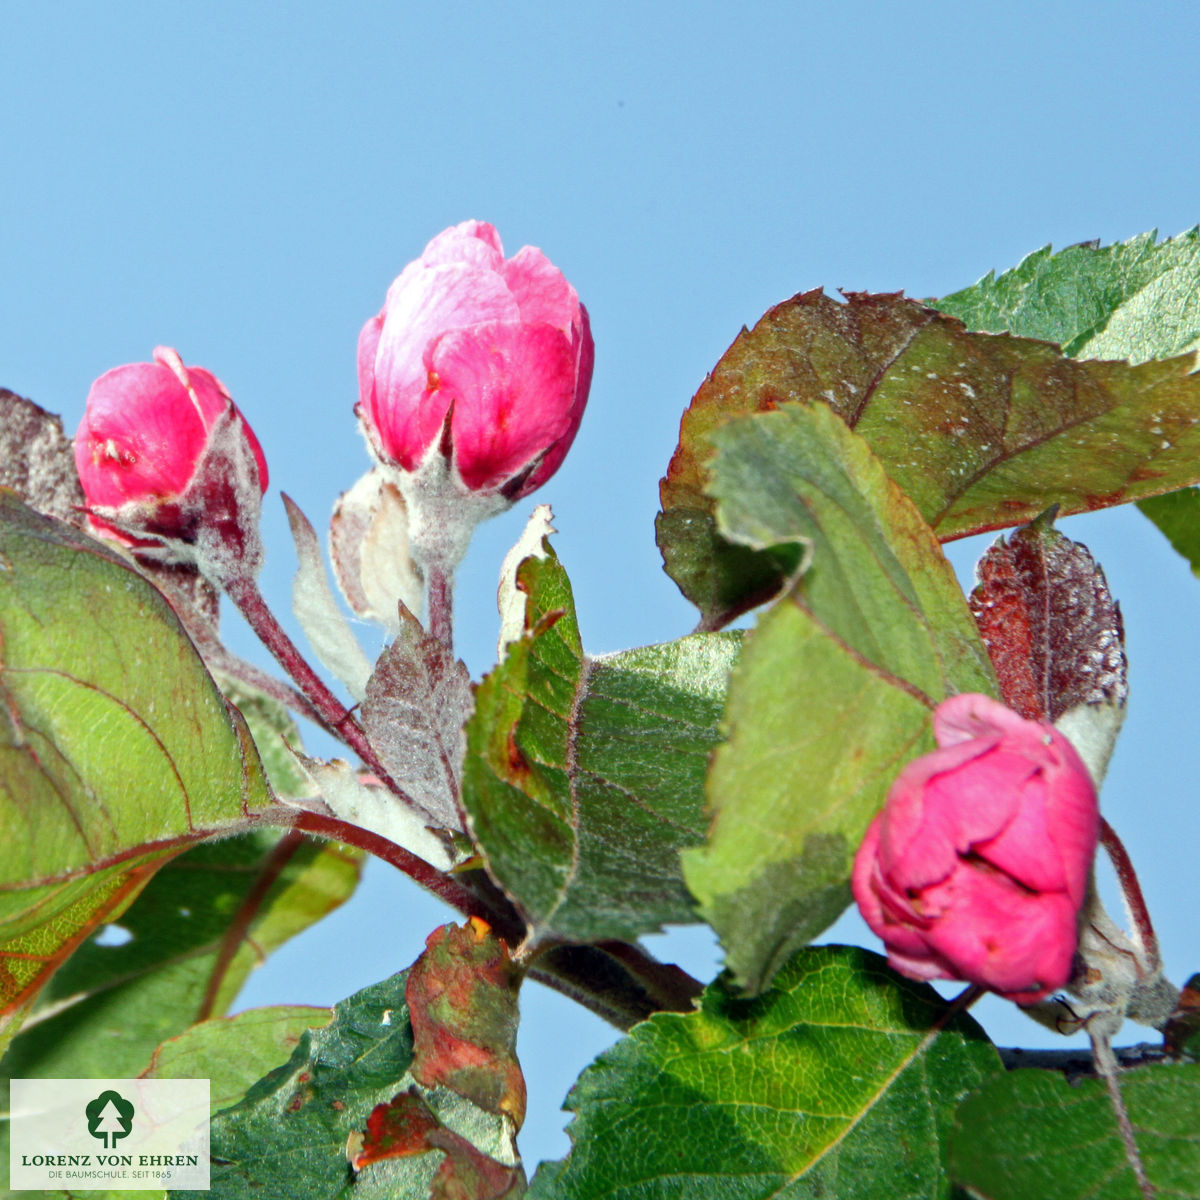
<point>978,865</point>
<point>472,383</point>
<point>498,350</point>
<point>170,467</point>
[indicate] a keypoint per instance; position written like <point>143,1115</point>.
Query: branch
<point>1077,1064</point>
<point>622,988</point>
<point>332,714</point>
<point>618,981</point>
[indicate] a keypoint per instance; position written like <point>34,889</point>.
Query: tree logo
<point>109,1117</point>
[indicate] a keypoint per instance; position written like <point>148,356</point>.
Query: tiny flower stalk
<point>472,383</point>
<point>1135,903</point>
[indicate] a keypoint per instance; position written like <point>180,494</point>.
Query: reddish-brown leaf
<point>462,999</point>
<point>405,1127</point>
<point>1051,627</point>
<point>395,1130</point>
<point>37,460</point>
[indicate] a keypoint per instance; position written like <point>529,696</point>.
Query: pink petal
<point>585,354</point>
<point>862,875</point>
<point>983,796</point>
<point>141,436</point>
<point>368,345</point>
<point>923,966</point>
<point>214,399</point>
<point>471,242</point>
<point>887,912</point>
<point>1072,813</point>
<point>997,934</point>
<point>541,290</point>
<point>513,387</point>
<point>917,843</point>
<point>407,407</point>
<point>972,715</point>
<point>1026,849</point>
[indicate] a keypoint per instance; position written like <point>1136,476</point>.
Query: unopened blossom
<point>479,359</point>
<point>169,465</point>
<point>978,865</point>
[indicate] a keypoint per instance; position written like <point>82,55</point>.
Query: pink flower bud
<point>978,864</point>
<point>498,351</point>
<point>168,463</point>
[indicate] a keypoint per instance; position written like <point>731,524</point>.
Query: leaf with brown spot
<point>466,1174</point>
<point>584,777</point>
<point>372,1104</point>
<point>405,1129</point>
<point>394,1130</point>
<point>462,1005</point>
<point>462,1001</point>
<point>981,430</point>
<point>288,1135</point>
<point>1051,627</point>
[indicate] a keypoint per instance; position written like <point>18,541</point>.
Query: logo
<point>109,1117</point>
<point>71,1135</point>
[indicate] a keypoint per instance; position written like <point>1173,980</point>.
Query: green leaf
<point>838,1082</point>
<point>834,688</point>
<point>201,925</point>
<point>415,1081</point>
<point>234,1052</point>
<point>1031,1134</point>
<point>468,1093</point>
<point>1137,300</point>
<point>585,776</point>
<point>1177,515</point>
<point>981,431</point>
<point>116,748</point>
<point>275,735</point>
<point>287,1137</point>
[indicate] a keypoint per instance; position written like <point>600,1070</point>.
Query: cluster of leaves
<point>720,777</point>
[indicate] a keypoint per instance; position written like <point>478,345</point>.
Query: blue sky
<point>243,182</point>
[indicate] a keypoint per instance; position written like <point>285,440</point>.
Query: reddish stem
<point>579,975</point>
<point>445,887</point>
<point>1131,889</point>
<point>331,712</point>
